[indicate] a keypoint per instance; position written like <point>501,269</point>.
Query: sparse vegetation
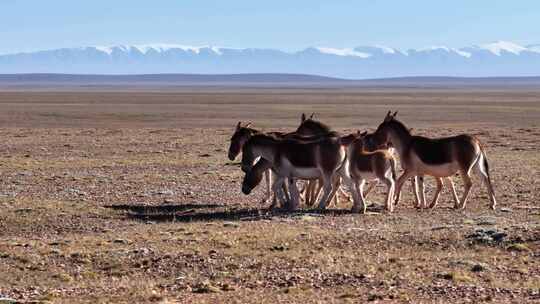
<point>98,208</point>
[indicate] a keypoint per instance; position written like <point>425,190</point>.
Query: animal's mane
<point>263,139</point>
<point>251,130</point>
<point>399,126</point>
<point>314,125</point>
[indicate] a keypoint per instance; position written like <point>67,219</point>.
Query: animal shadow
<point>144,209</point>
<point>190,213</point>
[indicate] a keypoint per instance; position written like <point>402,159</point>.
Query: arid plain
<point>126,195</point>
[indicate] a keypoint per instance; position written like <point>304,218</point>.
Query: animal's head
<point>304,117</point>
<point>310,126</point>
<point>381,135</point>
<point>240,137</point>
<point>351,138</point>
<point>252,178</point>
<point>248,157</point>
<point>371,144</point>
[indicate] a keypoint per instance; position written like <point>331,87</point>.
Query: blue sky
<point>27,25</point>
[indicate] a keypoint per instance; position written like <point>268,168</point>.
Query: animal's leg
<point>467,185</point>
<point>267,179</point>
<point>344,194</point>
<point>483,170</point>
<point>421,191</point>
<point>327,190</point>
<point>308,193</point>
<point>454,193</point>
<point>278,191</point>
<point>286,190</point>
<point>274,202</point>
<point>404,177</point>
<point>371,186</point>
<point>318,190</point>
<point>295,195</point>
<point>333,195</point>
<point>416,192</point>
<point>437,192</point>
<point>359,203</point>
<point>389,181</point>
<point>315,190</point>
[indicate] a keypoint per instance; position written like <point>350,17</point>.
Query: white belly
<point>306,173</point>
<point>442,170</point>
<point>288,170</point>
<point>368,175</point>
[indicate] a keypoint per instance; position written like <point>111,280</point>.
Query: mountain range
<point>498,59</point>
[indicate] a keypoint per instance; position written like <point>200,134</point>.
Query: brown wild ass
<point>308,158</point>
<point>371,144</point>
<point>241,135</point>
<point>312,127</point>
<point>308,127</point>
<point>438,157</point>
<point>253,177</point>
<point>363,165</point>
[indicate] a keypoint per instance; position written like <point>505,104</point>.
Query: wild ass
<point>438,157</point>
<point>316,158</point>
<point>253,177</point>
<point>417,183</point>
<point>242,134</point>
<point>377,165</point>
<point>310,126</point>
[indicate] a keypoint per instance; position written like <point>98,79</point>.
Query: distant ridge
<point>499,58</point>
<point>253,80</point>
<point>189,78</point>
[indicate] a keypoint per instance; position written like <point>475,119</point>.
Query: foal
<point>378,165</point>
<point>438,157</point>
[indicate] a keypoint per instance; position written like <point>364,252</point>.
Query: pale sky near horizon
<point>28,25</point>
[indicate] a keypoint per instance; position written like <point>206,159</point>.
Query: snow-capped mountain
<point>493,59</point>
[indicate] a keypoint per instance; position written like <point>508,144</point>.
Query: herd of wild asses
<point>326,159</point>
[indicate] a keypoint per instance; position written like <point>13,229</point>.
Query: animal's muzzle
<point>246,189</point>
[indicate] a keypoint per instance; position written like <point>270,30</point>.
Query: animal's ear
<point>312,116</point>
<point>239,125</point>
<point>410,130</point>
<point>395,113</point>
<point>388,116</point>
<point>303,118</point>
<point>247,125</point>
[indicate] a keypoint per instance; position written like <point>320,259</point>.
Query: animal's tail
<point>486,165</point>
<point>393,167</point>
